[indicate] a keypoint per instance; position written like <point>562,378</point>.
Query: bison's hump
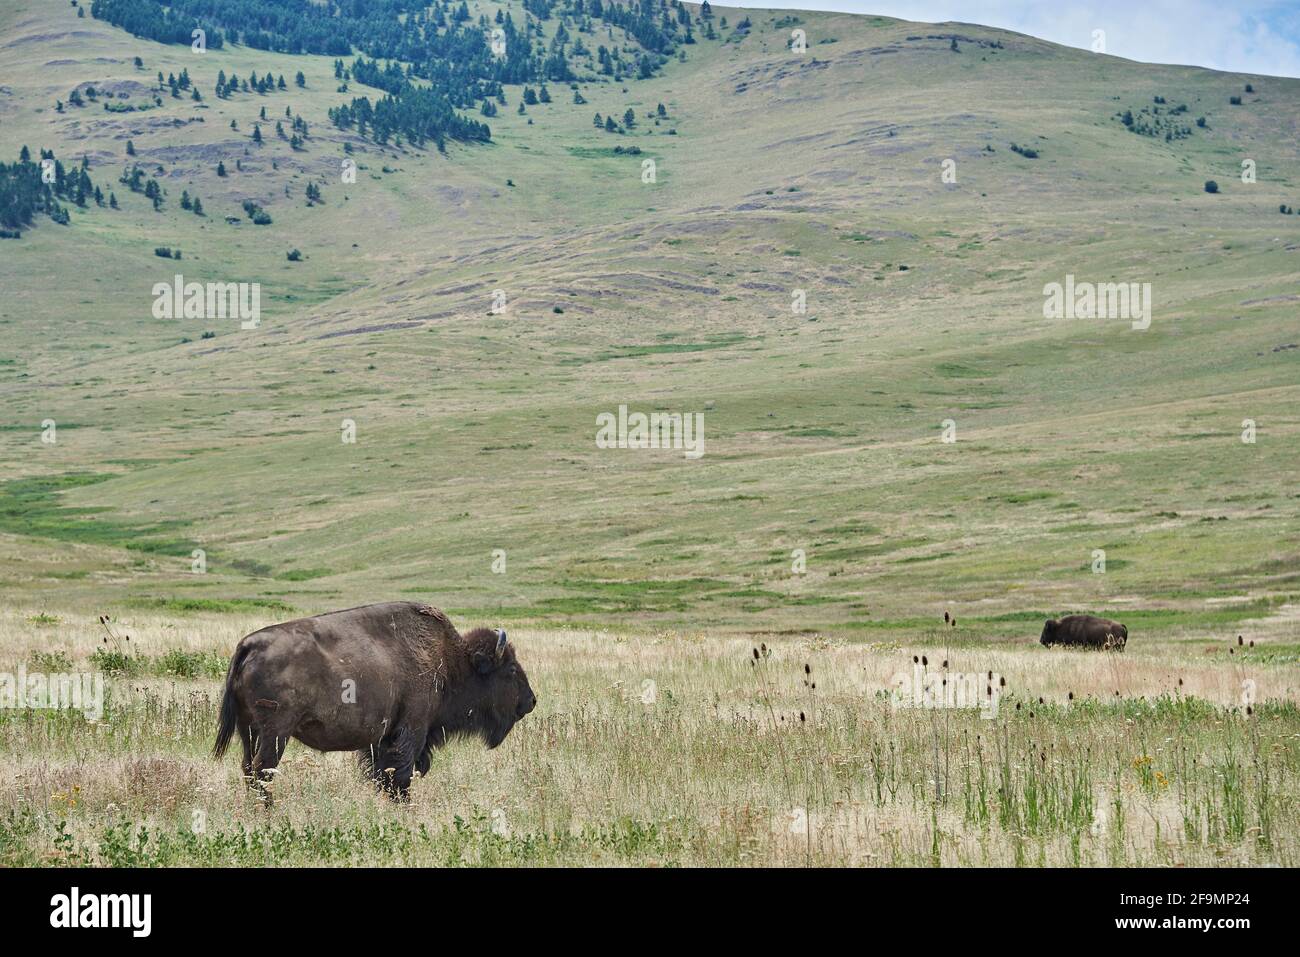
<point>432,612</point>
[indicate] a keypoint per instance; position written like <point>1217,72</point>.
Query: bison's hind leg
<point>268,749</point>
<point>246,740</point>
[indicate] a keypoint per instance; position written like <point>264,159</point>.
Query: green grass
<point>823,435</point>
<point>35,507</point>
<point>220,605</point>
<point>676,295</point>
<point>1071,771</point>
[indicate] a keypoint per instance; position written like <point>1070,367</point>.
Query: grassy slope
<point>476,431</point>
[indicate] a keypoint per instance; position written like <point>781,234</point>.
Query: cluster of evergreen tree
<point>646,21</point>
<point>253,84</point>
<point>609,125</point>
<point>404,30</point>
<point>174,23</point>
<point>1156,122</point>
<point>29,188</point>
<point>436,58</point>
<point>256,213</point>
<point>191,204</point>
<point>135,180</point>
<point>178,83</point>
<point>420,114</point>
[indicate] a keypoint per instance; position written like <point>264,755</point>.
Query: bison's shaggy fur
<point>1085,631</point>
<point>390,681</point>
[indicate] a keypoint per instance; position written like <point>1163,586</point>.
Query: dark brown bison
<point>1085,631</point>
<point>391,681</point>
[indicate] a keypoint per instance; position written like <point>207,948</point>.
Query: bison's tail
<point>229,708</point>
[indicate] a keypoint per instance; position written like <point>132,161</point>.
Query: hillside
<point>774,172</point>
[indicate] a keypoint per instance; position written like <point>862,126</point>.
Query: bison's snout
<point>527,705</point>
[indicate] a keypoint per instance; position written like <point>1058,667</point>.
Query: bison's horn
<point>501,642</point>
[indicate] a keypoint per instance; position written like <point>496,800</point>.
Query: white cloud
<point>1241,36</point>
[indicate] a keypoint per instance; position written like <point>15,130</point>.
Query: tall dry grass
<point>681,749</point>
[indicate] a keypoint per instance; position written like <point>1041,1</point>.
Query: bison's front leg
<point>394,762</point>
<point>425,756</point>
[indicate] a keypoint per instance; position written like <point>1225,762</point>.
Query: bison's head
<point>1049,631</point>
<point>505,695</point>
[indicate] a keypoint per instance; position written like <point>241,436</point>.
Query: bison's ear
<point>485,661</point>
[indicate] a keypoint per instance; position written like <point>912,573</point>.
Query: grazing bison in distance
<point>391,681</point>
<point>1084,631</point>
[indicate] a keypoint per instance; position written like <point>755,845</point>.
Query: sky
<point>1242,36</point>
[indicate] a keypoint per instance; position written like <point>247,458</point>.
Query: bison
<point>390,681</point>
<point>1084,631</point>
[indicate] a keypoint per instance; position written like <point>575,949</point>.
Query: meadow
<point>198,482</point>
<point>683,749</point>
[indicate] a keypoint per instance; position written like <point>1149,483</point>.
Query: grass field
<point>676,748</point>
<point>828,519</point>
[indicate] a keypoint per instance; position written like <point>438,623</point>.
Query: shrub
<point>52,661</point>
<point>191,664</point>
<point>1211,186</point>
<point>115,662</point>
